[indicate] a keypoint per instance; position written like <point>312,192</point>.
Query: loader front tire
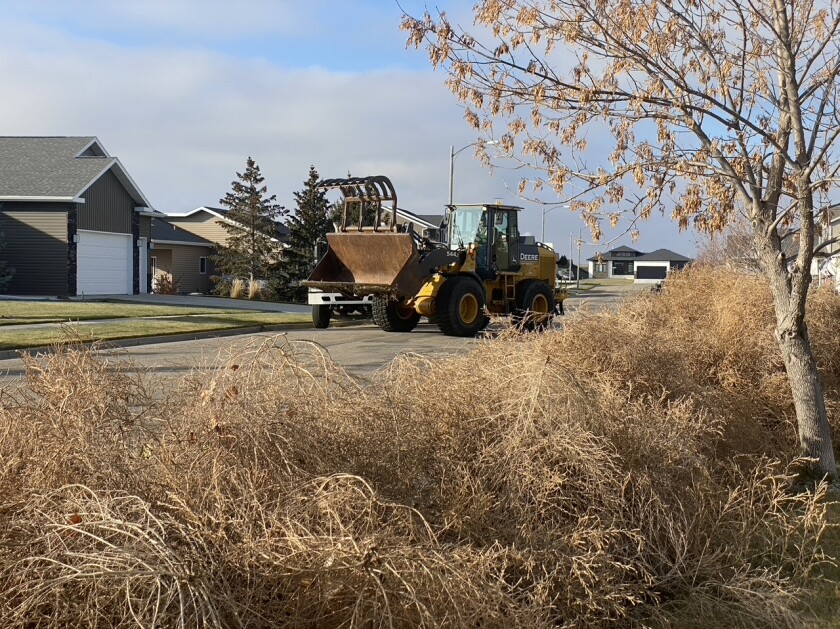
<point>460,307</point>
<point>321,316</point>
<point>392,316</point>
<point>534,306</point>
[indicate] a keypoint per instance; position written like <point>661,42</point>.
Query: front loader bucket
<point>369,262</point>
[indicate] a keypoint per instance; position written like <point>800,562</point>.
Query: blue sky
<point>182,91</point>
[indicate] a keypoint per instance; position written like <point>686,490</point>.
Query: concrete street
<point>358,348</point>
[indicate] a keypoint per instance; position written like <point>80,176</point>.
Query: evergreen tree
<point>309,224</point>
<point>252,250</point>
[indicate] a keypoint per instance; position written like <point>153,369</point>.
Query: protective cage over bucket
<point>367,262</point>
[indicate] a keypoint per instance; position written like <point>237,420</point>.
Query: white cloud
<point>183,119</point>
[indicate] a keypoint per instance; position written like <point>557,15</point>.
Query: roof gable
<point>220,214</point>
<point>162,231</point>
<point>57,168</point>
<point>662,255</point>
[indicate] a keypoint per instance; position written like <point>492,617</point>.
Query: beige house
<point>180,257</point>
<point>207,222</point>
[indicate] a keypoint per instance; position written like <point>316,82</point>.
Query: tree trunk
<point>809,400</point>
<point>789,298</point>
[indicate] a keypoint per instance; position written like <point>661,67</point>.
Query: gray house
<point>627,263</point>
<point>74,221</point>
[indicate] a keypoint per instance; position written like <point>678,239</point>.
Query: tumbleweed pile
<point>632,469</point>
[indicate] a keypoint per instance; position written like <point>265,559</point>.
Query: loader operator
<point>482,242</point>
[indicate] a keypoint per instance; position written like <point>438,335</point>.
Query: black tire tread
<point>321,315</point>
<point>386,317</point>
<point>447,317</point>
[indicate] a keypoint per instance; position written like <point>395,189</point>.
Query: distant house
<point>74,221</point>
<point>428,225</point>
<point>207,222</point>
<point>181,256</point>
<point>627,263</point>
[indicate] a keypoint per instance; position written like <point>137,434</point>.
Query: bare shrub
<point>631,470</point>
<point>165,284</point>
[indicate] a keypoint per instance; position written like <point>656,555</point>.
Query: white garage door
<point>104,264</point>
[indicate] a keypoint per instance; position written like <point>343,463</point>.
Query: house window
<point>154,266</point>
<point>202,265</point>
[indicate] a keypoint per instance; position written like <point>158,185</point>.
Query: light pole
<point>542,237</point>
<point>452,154</point>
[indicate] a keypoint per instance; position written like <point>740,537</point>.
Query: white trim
<point>131,181</point>
<point>49,199</point>
<point>222,217</point>
<point>97,231</point>
<point>191,212</point>
<point>113,161</point>
<point>96,141</point>
<point>209,245</point>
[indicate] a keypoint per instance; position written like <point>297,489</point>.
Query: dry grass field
<point>635,469</point>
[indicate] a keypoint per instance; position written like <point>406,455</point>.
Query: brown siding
<point>182,263</point>
<point>36,247</point>
<point>163,263</point>
<point>107,207</point>
<point>202,224</point>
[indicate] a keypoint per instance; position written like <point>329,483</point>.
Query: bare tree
<point>710,107</point>
<point>732,248</point>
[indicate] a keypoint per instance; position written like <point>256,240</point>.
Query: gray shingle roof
<point>611,254</point>
<point>662,255</point>
<point>56,167</point>
<point>167,232</point>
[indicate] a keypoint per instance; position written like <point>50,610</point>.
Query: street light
<point>452,154</point>
<point>542,237</point>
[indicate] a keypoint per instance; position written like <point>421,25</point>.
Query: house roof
<point>427,220</point>
<point>612,254</point>
<point>282,230</point>
<point>164,232</point>
<point>57,169</point>
<point>662,255</point>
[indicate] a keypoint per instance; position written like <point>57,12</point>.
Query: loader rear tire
<point>392,316</point>
<point>321,316</point>
<point>460,307</point>
<point>534,306</point>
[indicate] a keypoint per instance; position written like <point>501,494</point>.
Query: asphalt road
<point>358,348</point>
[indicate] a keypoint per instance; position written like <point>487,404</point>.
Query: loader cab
<point>494,229</point>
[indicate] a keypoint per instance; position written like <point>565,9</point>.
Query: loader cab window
<point>505,251</point>
<point>470,224</point>
<point>466,225</point>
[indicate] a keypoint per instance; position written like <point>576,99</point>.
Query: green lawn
<point>13,312</point>
<point>144,321</point>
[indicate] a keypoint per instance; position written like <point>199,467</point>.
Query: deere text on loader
<point>486,268</point>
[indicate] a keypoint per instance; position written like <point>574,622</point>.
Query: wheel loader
<point>485,268</point>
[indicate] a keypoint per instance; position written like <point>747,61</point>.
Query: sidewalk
<point>192,301</point>
<point>203,301</point>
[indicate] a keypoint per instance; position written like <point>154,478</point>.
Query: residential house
<point>181,257</point>
<point>428,225</point>
<point>615,263</point>
<point>208,222</point>
<point>74,221</point>
<point>628,263</point>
